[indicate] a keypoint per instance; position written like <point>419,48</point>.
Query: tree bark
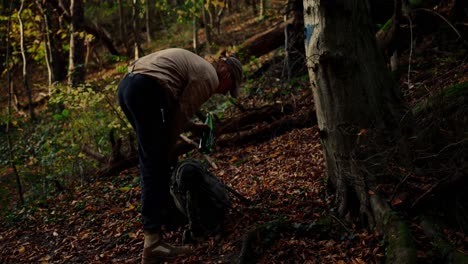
<point>136,29</point>
<point>148,20</point>
<point>25,63</point>
<point>265,42</point>
<point>195,41</point>
<point>47,43</point>
<point>122,28</point>
<point>207,23</point>
<point>11,161</point>
<point>76,69</point>
<point>359,109</point>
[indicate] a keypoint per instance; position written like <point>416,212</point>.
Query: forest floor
<point>282,175</point>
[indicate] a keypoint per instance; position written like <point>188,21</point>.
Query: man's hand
<point>197,129</point>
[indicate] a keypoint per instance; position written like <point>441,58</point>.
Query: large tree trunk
<point>359,109</point>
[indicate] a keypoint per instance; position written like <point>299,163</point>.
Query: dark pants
<point>141,99</point>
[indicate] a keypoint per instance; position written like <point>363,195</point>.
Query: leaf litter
<point>99,222</point>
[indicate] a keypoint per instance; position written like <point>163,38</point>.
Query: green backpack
<point>200,196</point>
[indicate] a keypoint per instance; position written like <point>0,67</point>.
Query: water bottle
<point>207,140</point>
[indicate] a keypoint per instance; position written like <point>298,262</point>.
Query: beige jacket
<point>189,81</point>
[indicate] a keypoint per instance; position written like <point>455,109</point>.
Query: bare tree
<point>25,63</point>
<point>47,42</point>
<point>7,130</point>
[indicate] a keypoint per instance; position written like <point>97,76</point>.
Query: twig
<point>398,186</point>
<point>442,17</point>
<point>341,223</point>
<point>428,191</point>
<point>208,159</point>
<point>238,195</point>
<point>411,51</point>
<point>442,150</point>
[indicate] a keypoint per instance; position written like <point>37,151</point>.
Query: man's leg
<point>141,102</point>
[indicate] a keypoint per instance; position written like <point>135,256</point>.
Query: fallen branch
<point>269,129</point>
<point>93,154</point>
<point>117,167</point>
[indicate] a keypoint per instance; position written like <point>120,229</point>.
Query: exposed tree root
<point>401,248</point>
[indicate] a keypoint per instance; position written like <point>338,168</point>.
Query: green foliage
<point>456,90</point>
<point>449,98</point>
<point>87,116</point>
<point>32,33</point>
<point>48,153</point>
<point>386,26</point>
<point>121,62</point>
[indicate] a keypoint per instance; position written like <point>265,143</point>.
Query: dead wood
<point>251,125</point>
<point>244,120</point>
<point>269,130</point>
<point>401,248</point>
<point>101,158</point>
<point>264,42</point>
<point>115,168</point>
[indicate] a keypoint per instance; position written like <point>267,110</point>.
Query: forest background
<point>69,183</point>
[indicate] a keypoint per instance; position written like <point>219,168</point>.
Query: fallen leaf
<point>21,250</point>
<point>130,208</point>
<point>45,259</point>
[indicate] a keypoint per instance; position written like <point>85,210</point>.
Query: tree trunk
<point>358,107</point>
<point>122,28</point>
<point>25,63</point>
<point>136,29</point>
<point>46,39</point>
<point>58,58</point>
<point>76,69</point>
<point>9,106</point>
<point>207,23</point>
<point>195,30</point>
<point>90,28</point>
<point>148,20</point>
<point>263,6</point>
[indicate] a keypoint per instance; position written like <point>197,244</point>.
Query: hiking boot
<point>158,251</point>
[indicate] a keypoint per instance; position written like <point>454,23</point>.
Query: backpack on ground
<point>200,196</point>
